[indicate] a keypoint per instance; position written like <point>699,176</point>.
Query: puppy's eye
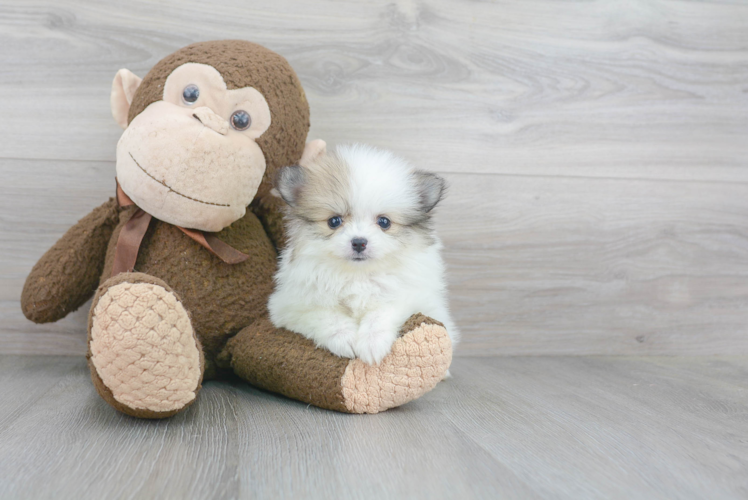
<point>190,93</point>
<point>241,120</point>
<point>334,222</point>
<point>384,223</point>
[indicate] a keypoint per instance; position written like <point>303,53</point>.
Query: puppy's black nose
<point>359,244</point>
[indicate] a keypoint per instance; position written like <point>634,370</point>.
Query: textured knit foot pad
<point>144,349</point>
<point>418,361</point>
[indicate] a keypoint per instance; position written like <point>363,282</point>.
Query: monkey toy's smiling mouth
<point>172,190</point>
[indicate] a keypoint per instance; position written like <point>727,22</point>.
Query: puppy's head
<point>359,204</point>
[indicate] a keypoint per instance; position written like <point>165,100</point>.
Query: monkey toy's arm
<point>269,209</point>
<point>68,274</point>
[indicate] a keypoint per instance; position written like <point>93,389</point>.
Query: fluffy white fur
<point>355,303</point>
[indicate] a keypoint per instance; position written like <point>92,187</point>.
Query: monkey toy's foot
<point>419,359</point>
<point>144,357</point>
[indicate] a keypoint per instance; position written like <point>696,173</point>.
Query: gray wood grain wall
<point>597,151</point>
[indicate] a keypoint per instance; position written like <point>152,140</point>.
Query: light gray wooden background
<point>597,151</point>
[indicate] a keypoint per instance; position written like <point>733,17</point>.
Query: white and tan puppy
<point>362,256</point>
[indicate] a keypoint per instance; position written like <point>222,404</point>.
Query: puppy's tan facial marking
<point>327,191</point>
<point>317,192</point>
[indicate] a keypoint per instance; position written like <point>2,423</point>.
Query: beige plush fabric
<point>123,90</point>
<point>143,347</point>
<point>416,364</point>
<point>217,99</point>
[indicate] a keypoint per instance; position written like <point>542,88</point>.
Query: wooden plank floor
<point>596,151</point>
<point>540,427</point>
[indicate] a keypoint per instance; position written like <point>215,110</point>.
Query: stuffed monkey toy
<point>180,263</point>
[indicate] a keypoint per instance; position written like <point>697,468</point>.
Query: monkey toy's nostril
<point>209,119</point>
<point>359,244</point>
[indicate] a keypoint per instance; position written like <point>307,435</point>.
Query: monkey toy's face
<point>191,159</point>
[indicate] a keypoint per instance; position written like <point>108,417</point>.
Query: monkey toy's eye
<point>241,120</point>
<point>190,93</point>
<point>334,222</point>
<point>384,223</point>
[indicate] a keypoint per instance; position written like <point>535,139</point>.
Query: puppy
<point>362,255</point>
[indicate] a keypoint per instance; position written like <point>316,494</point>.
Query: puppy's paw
<point>342,338</point>
<point>340,344</point>
<point>372,346</point>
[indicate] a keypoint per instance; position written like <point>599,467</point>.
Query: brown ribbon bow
<point>131,236</point>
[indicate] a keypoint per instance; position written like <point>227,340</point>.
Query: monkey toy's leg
<point>144,357</point>
<point>285,362</point>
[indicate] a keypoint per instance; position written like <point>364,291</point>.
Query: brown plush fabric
<point>101,388</point>
<point>270,211</point>
<point>67,275</point>
<point>246,64</point>
<point>287,363</point>
<point>221,298</point>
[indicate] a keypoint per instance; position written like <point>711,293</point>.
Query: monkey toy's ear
<point>312,152</point>
<point>123,90</point>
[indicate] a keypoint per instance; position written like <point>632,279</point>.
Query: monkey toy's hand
<point>67,275</point>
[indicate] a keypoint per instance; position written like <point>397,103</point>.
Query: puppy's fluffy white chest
<point>360,295</point>
<point>323,284</point>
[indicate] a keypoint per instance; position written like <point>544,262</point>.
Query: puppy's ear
<point>289,182</point>
<point>430,188</point>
